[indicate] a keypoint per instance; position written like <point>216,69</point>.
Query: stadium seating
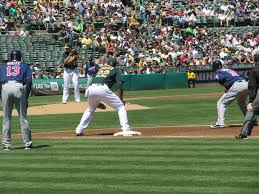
<point>45,48</point>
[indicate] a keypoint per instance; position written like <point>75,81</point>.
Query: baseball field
<point>178,152</point>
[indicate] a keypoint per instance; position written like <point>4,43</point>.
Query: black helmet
<point>15,55</point>
<point>216,65</point>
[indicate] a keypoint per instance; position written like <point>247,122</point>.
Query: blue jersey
<point>15,70</point>
<point>228,76</point>
<point>91,69</point>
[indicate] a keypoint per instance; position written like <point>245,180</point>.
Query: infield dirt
<point>150,132</point>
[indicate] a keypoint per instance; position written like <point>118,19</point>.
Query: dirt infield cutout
<point>186,131</point>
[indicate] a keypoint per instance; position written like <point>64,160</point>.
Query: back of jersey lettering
<point>13,69</point>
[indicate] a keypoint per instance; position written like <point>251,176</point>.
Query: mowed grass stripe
<point>129,158</point>
<point>147,141</point>
<point>127,141</point>
<point>84,147</point>
<point>54,167</point>
<point>137,179</point>
<point>195,156</point>
<point>187,162</point>
<point>241,146</point>
<point>129,187</point>
<point>145,153</point>
<point>120,171</point>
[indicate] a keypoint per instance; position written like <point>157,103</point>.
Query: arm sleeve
<point>252,89</point>
<point>119,79</point>
<point>63,59</point>
<point>28,82</point>
<point>221,79</point>
<point>86,70</point>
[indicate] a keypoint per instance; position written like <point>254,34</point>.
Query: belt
<point>13,81</point>
<point>72,68</point>
<point>100,84</point>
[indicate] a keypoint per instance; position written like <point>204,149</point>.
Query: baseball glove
<point>101,106</point>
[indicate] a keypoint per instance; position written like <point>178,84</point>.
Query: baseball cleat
<point>7,148</point>
<point>28,147</point>
<point>215,126</point>
<point>127,133</point>
<point>80,134</point>
<point>241,136</point>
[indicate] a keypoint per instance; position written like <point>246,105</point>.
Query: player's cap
<point>16,55</point>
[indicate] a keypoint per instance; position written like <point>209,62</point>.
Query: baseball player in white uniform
<point>70,74</point>
<point>100,90</point>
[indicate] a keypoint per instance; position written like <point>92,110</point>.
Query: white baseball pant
<point>70,75</point>
<point>96,94</point>
<point>239,91</point>
<point>89,81</point>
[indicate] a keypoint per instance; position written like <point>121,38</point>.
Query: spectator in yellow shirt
<point>191,78</point>
<point>141,63</point>
<point>86,41</point>
<point>37,8</point>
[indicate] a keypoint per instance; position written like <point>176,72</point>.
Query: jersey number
<point>13,71</point>
<point>104,71</point>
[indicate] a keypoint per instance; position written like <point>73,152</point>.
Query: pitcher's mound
<point>70,107</point>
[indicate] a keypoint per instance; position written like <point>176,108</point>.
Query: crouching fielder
<point>100,91</point>
<point>236,88</point>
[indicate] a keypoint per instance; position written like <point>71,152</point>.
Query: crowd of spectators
<point>144,36</point>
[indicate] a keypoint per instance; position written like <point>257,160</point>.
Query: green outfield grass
<point>41,100</point>
<point>160,165</point>
<point>179,166</point>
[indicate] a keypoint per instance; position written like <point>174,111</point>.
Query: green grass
<point>132,166</point>
<point>181,166</point>
<point>41,100</point>
<point>163,112</point>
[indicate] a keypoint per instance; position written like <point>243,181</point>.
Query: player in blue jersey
<point>236,88</point>
<point>16,82</point>
<point>91,70</point>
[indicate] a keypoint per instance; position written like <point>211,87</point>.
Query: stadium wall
<point>132,83</point>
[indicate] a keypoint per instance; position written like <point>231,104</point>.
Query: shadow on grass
<point>33,147</point>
